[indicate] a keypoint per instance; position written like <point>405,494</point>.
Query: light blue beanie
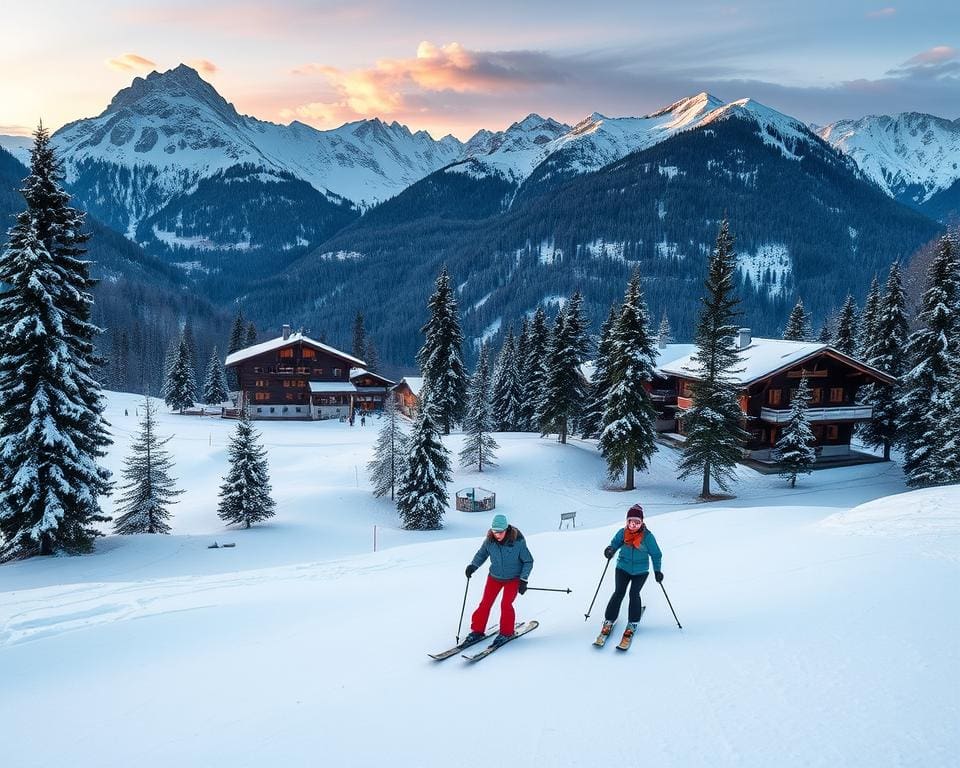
<point>499,523</point>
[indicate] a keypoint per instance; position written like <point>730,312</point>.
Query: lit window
<point>308,353</point>
<point>286,353</point>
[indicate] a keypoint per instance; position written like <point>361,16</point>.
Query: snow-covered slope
<point>819,623</point>
<point>910,155</point>
<point>513,153</point>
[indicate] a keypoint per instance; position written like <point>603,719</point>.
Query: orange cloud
<point>881,13</point>
<point>935,55</point>
<point>131,62</point>
<point>392,86</point>
<point>204,66</point>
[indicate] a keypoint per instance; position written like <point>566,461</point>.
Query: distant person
<point>637,546</point>
<point>363,420</point>
<point>510,566</point>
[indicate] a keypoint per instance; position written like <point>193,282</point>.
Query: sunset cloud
<point>131,62</point>
<point>935,55</point>
<point>204,66</point>
<point>882,13</point>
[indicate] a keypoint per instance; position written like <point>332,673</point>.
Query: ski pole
<point>671,606</point>
<point>460,625</point>
<point>587,614</point>
<point>545,589</point>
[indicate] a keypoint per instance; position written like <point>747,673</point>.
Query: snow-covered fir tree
<point>505,397</point>
<point>251,337</point>
<point>628,439</point>
<point>712,423</point>
<point>52,431</point>
<point>868,320</point>
<point>845,333</point>
<point>533,370</point>
<point>238,334</point>
<point>665,332</point>
<point>826,332</point>
<point>440,357</point>
<point>479,447</point>
<point>371,356</point>
<point>564,390</point>
<point>180,385</point>
<point>389,452</point>
<point>422,491</point>
<point>188,337</point>
<point>798,324</point>
<point>887,354</point>
<point>929,398</point>
<point>215,381</point>
<point>591,422</point>
<point>149,490</point>
<point>245,493</point>
<point>794,451</point>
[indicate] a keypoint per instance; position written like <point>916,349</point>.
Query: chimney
<point>743,338</point>
<point>286,332</point>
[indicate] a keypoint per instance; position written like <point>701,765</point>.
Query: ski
<point>628,633</point>
<point>522,629</point>
<point>461,646</point>
<point>602,638</point>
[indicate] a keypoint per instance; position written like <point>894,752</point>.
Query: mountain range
<point>307,226</point>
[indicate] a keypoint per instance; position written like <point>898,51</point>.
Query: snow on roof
<point>666,355</point>
<point>279,342</point>
<point>328,387</point>
<point>761,358</point>
<point>414,382</point>
<point>354,372</point>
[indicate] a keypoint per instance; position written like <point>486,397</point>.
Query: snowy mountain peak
<point>911,155</point>
<point>697,104</point>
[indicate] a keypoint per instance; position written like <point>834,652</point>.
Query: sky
<point>456,67</point>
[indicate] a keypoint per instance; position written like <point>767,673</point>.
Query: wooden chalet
<point>407,393</point>
<point>296,377</point>
<point>771,371</point>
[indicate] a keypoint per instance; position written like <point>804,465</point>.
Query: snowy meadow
<point>820,623</point>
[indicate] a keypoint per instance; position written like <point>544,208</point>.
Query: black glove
<point>523,587</point>
<point>658,575</point>
<point>470,570</point>
<point>608,552</point>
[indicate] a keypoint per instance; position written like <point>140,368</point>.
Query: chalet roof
<point>278,343</point>
<point>414,382</point>
<point>665,355</point>
<point>355,372</point>
<point>331,387</point>
<point>765,357</point>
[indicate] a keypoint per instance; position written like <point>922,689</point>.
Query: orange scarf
<point>634,538</point>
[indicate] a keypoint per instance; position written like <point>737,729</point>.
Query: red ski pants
<point>507,615</point>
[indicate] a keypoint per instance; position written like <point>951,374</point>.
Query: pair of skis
<point>520,629</point>
<point>625,641</point>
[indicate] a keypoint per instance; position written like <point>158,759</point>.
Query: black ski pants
<point>624,580</point>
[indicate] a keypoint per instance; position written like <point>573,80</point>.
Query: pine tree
<point>251,337</point>
<point>238,334</point>
<point>390,451</point>
<point>795,450</point>
<point>868,321</point>
<point>478,445</point>
<point>533,370</point>
<point>188,338</point>
<point>215,381</point>
<point>629,437</point>
<point>245,494</point>
<point>180,385</point>
<point>440,358</point>
<point>592,422</point>
<point>422,491</point>
<point>52,430</point>
<point>506,387</point>
<point>826,332</point>
<point>119,378</point>
<point>928,387</point>
<point>149,489</point>
<point>798,324</point>
<point>372,357</point>
<point>565,390</point>
<point>890,338</point>
<point>845,338</point>
<point>665,332</point>
<point>712,423</point>
<point>359,347</point>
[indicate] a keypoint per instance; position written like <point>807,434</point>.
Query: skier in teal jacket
<point>637,547</point>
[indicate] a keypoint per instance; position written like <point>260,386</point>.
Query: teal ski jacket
<point>636,560</point>
<point>510,560</point>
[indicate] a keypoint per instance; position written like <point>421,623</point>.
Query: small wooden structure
<point>476,500</point>
<point>568,518</point>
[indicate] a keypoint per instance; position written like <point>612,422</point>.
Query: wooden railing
<point>840,413</point>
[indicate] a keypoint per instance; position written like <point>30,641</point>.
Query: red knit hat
<point>635,511</point>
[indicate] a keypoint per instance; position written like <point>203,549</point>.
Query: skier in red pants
<point>510,566</point>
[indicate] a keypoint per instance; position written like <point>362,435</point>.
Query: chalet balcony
<point>839,413</point>
<point>662,395</point>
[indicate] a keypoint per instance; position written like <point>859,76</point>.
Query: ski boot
<point>628,634</point>
<point>473,637</point>
<point>605,631</point>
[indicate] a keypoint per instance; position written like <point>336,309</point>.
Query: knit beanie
<point>635,511</point>
<point>499,523</point>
